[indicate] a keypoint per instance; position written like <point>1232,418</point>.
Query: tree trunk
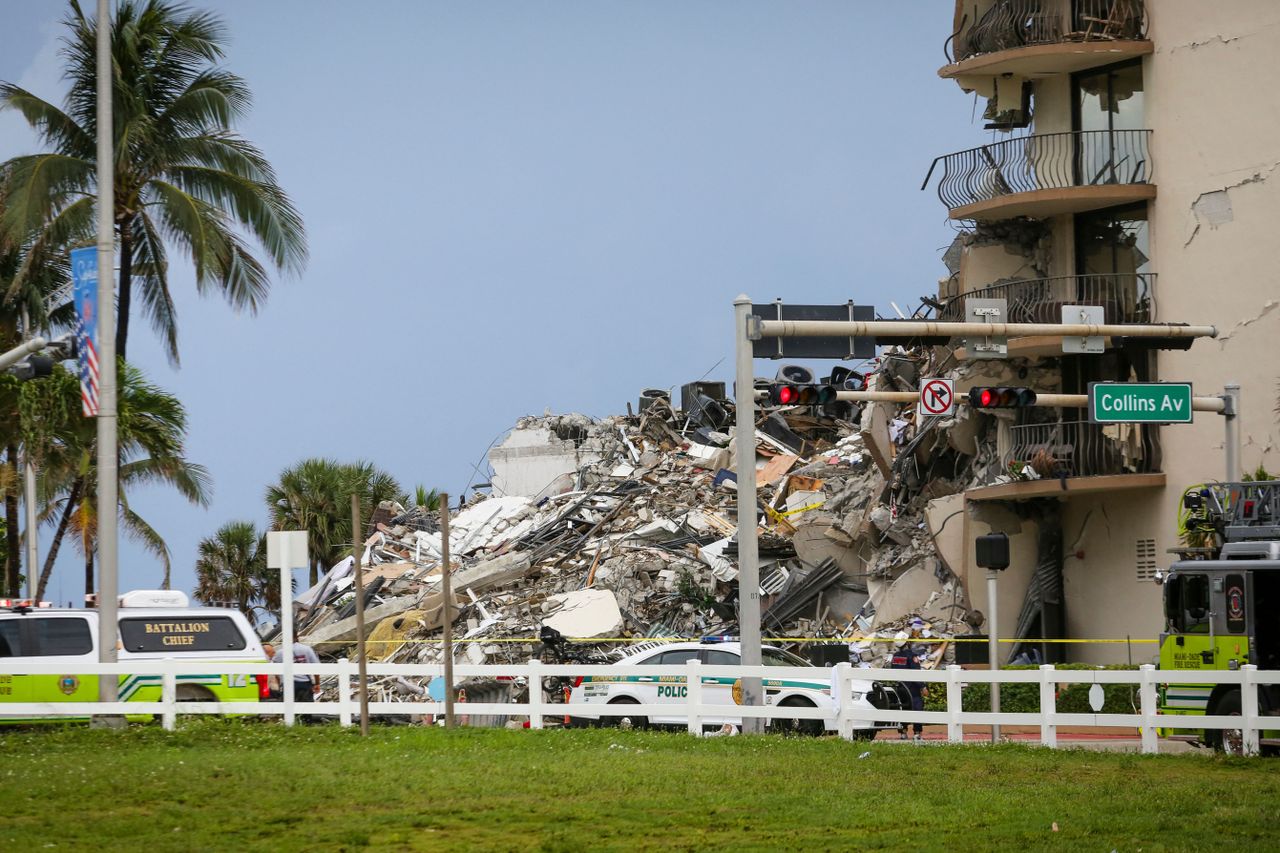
<point>73,498</point>
<point>315,571</point>
<point>164,584</point>
<point>88,562</point>
<point>13,549</point>
<point>126,288</point>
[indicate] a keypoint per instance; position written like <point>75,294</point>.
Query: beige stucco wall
<point>1212,105</point>
<point>983,518</point>
<point>1104,598</point>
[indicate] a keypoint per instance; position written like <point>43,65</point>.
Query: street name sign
<point>1140,402</point>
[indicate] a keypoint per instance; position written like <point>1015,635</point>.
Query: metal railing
<point>1080,449</point>
<point>1124,297</point>
<point>1044,161</point>
<point>841,717</point>
<point>1009,24</point>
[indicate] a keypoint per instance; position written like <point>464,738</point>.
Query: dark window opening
<point>62,637</point>
<point>10,641</point>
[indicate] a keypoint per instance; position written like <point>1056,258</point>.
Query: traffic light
<point>792,394</point>
<point>1001,398</point>
<point>33,367</point>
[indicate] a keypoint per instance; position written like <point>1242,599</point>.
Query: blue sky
<point>522,206</point>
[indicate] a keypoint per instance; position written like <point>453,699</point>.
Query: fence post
<point>693,695</point>
<point>955,705</point>
<point>344,691</point>
<point>168,695</point>
<point>843,687</point>
<point>535,694</point>
<point>1147,704</point>
<point>1249,708</point>
<point>1048,707</point>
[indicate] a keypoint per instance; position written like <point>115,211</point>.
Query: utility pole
<point>748,545</point>
<point>357,570</point>
<point>446,587</point>
<point>1231,413</point>
<point>108,459</point>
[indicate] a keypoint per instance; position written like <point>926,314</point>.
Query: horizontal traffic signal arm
<point>1064,401</point>
<point>757,328</point>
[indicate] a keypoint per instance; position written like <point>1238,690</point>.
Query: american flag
<point>88,370</point>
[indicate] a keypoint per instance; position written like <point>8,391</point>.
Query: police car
<point>152,624</point>
<point>663,689</point>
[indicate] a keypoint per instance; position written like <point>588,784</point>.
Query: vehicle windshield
<point>770,656</point>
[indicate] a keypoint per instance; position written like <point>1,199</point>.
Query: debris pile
<point>621,530</point>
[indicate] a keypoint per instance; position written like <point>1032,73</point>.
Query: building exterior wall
<point>1210,102</point>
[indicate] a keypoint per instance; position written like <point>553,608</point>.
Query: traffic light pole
<point>748,546</point>
<point>1064,401</point>
<point>993,647</point>
<point>939,329</point>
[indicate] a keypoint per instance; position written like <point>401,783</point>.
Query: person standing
<point>909,656</point>
<point>305,687</point>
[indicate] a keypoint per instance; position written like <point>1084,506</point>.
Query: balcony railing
<point>1040,162</point>
<point>1009,24</point>
<point>1080,449</point>
<point>1125,297</point>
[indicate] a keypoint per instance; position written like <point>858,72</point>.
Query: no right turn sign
<point>937,398</point>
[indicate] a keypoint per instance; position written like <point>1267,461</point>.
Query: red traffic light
<point>789,394</point>
<point>1001,398</point>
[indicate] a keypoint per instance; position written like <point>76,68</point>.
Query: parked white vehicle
<point>663,689</point>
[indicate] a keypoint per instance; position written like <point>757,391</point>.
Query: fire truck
<point>1222,605</point>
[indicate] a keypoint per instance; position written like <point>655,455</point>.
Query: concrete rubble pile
<point>621,530</point>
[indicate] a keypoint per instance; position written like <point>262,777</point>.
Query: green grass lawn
<point>239,785</point>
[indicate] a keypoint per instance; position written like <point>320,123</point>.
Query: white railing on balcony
<point>846,716</point>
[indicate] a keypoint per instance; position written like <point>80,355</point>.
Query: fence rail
<point>1124,298</point>
<point>1042,161</point>
<point>846,716</point>
<point>1081,449</point>
<point>1009,24</point>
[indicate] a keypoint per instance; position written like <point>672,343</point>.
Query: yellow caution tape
<point>840,640</point>
<point>799,509</point>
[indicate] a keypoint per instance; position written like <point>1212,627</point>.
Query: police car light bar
<point>22,603</point>
<point>723,638</point>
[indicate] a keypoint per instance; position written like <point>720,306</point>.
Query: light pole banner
<point>84,274</point>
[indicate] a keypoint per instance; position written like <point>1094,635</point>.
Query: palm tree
<point>232,568</point>
<point>184,178</point>
<point>427,499</point>
<point>315,495</point>
<point>152,429</point>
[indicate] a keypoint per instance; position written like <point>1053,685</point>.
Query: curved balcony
<point>1058,459</point>
<point>1046,175</point>
<point>1039,38</point>
<point>1124,297</point>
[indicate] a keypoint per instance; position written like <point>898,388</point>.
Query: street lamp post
<point>108,461</point>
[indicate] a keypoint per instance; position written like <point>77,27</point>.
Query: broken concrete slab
<point>586,613</point>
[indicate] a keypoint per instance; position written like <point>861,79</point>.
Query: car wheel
<point>1229,741</point>
<point>628,721</point>
<point>799,727</point>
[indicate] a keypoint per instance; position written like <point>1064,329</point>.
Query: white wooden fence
<point>844,714</point>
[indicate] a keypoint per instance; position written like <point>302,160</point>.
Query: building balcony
<point>1124,297</point>
<point>1040,38</point>
<point>1046,174</point>
<point>1050,459</point>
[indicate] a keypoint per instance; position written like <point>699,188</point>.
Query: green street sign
<point>1140,402</point>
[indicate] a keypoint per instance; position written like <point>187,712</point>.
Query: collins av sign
<point>1140,402</point>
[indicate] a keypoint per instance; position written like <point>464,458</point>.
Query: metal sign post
<point>357,571</point>
<point>446,587</point>
<point>748,545</point>
<point>286,551</point>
